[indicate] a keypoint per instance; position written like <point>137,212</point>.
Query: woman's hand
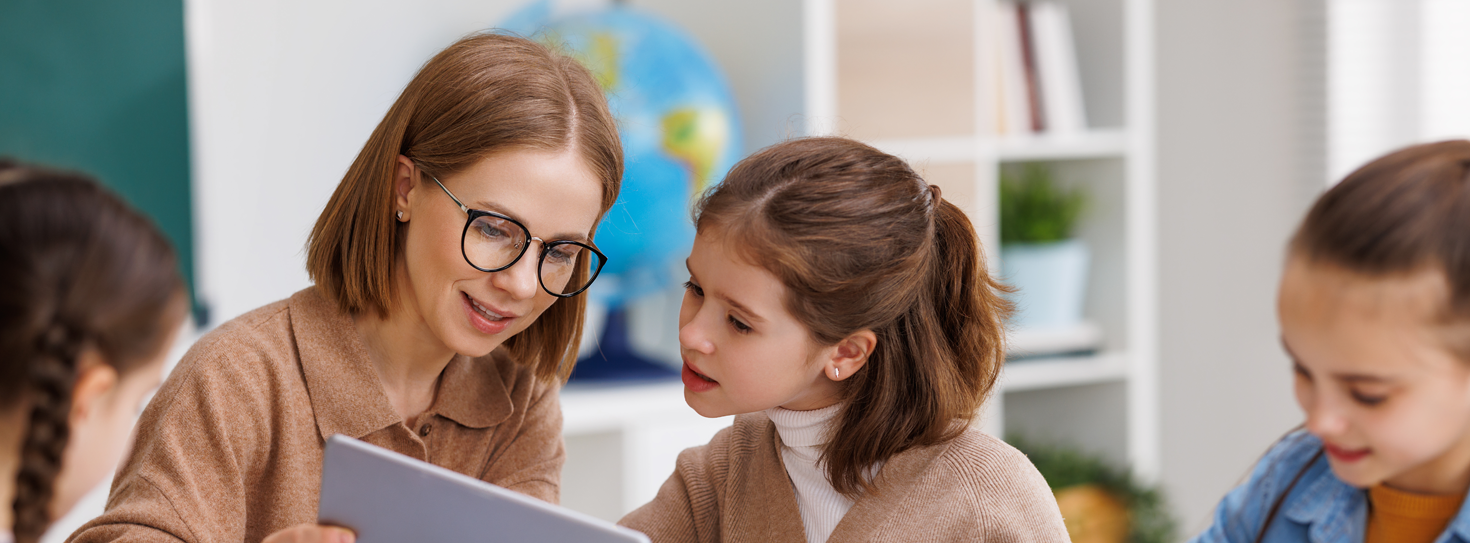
<point>312,533</point>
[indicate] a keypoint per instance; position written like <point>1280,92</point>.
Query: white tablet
<point>387,497</point>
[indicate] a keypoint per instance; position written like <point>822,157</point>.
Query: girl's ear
<point>850,354</point>
<point>96,380</point>
<point>404,181</point>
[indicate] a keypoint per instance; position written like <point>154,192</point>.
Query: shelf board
<point>590,409</point>
<point>1063,371</point>
<point>1045,342</point>
<point>1099,143</point>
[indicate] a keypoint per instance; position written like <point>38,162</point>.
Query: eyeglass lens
<point>494,243</point>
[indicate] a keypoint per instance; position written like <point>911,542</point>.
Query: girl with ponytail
<point>842,309</point>
<point>90,300</point>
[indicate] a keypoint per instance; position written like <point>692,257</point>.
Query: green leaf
<point>1033,209</point>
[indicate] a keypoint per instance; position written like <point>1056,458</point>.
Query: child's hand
<point>312,533</point>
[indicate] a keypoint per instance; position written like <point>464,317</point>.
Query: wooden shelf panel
<point>905,69</point>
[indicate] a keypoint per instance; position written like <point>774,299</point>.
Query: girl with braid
<point>90,300</point>
<point>841,309</point>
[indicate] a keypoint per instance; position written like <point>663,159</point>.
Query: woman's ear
<point>850,354</point>
<point>96,380</point>
<point>405,179</point>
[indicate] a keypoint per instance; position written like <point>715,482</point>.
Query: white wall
<point>283,94</point>
<point>1396,76</point>
<point>1231,189</point>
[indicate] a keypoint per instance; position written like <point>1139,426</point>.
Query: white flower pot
<point>1051,282</point>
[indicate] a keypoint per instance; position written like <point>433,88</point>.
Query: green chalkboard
<point>98,86</point>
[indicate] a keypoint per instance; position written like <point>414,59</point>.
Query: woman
<point>90,301</point>
<point>468,214</point>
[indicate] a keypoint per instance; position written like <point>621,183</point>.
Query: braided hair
<point>83,270</point>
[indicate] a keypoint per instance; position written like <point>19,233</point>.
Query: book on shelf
<point>1014,101</point>
<point>1039,89</point>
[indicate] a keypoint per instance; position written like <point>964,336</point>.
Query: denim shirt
<point>1319,509</point>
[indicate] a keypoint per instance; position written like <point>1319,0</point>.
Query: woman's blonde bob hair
<point>485,93</point>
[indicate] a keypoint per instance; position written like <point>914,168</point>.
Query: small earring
<point>836,374</point>
<point>400,215</point>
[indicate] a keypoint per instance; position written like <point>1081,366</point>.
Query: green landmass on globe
<point>697,136</point>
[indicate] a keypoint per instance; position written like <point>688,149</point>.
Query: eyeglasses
<point>492,242</point>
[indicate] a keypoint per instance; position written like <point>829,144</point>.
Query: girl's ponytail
<point>967,301</point>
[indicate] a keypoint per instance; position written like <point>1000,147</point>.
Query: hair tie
<point>935,196</point>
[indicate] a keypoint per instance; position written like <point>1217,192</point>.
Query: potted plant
<point>1100,502</point>
<point>1039,254</point>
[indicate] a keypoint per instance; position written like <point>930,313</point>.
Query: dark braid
<point>83,271</point>
<point>51,377</point>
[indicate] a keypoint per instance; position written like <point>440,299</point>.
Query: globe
<point>680,133</point>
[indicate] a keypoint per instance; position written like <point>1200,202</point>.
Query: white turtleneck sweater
<point>803,433</point>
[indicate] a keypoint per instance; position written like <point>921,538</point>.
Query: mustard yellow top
<point>1405,517</point>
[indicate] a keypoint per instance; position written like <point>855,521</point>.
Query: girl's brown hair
<point>82,271</point>
<point>1402,213</point>
<point>485,93</point>
<point>861,242</point>
<point>1398,214</point>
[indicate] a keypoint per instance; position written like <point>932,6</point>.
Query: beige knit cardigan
<point>973,488</point>
<point>230,449</point>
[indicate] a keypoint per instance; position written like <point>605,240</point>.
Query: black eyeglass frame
<point>541,257</point>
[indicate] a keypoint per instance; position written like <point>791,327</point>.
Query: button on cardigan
<point>230,449</point>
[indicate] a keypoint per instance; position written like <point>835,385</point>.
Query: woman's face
<point>1377,376</point>
<point>743,351</point>
<point>553,193</point>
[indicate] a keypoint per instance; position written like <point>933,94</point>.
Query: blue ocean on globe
<point>679,126</point>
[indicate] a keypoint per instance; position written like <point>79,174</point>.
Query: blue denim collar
<point>1461,525</point>
<point>1335,511</point>
<point>1338,512</point>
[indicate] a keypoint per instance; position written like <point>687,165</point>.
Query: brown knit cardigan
<point>974,488</point>
<point>230,449</point>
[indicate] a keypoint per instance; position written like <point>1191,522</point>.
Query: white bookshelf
<point>912,79</point>
<point>902,85</point>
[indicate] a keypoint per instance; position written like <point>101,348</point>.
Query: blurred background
<point>1135,166</point>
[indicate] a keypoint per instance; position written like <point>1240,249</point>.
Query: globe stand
<point>615,361</point>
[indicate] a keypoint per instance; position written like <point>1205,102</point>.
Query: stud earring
<point>400,215</point>
<point>836,374</point>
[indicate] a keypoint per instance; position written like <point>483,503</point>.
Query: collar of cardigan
<point>347,397</point>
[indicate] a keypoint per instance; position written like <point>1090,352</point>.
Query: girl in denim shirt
<point>1375,313</point>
